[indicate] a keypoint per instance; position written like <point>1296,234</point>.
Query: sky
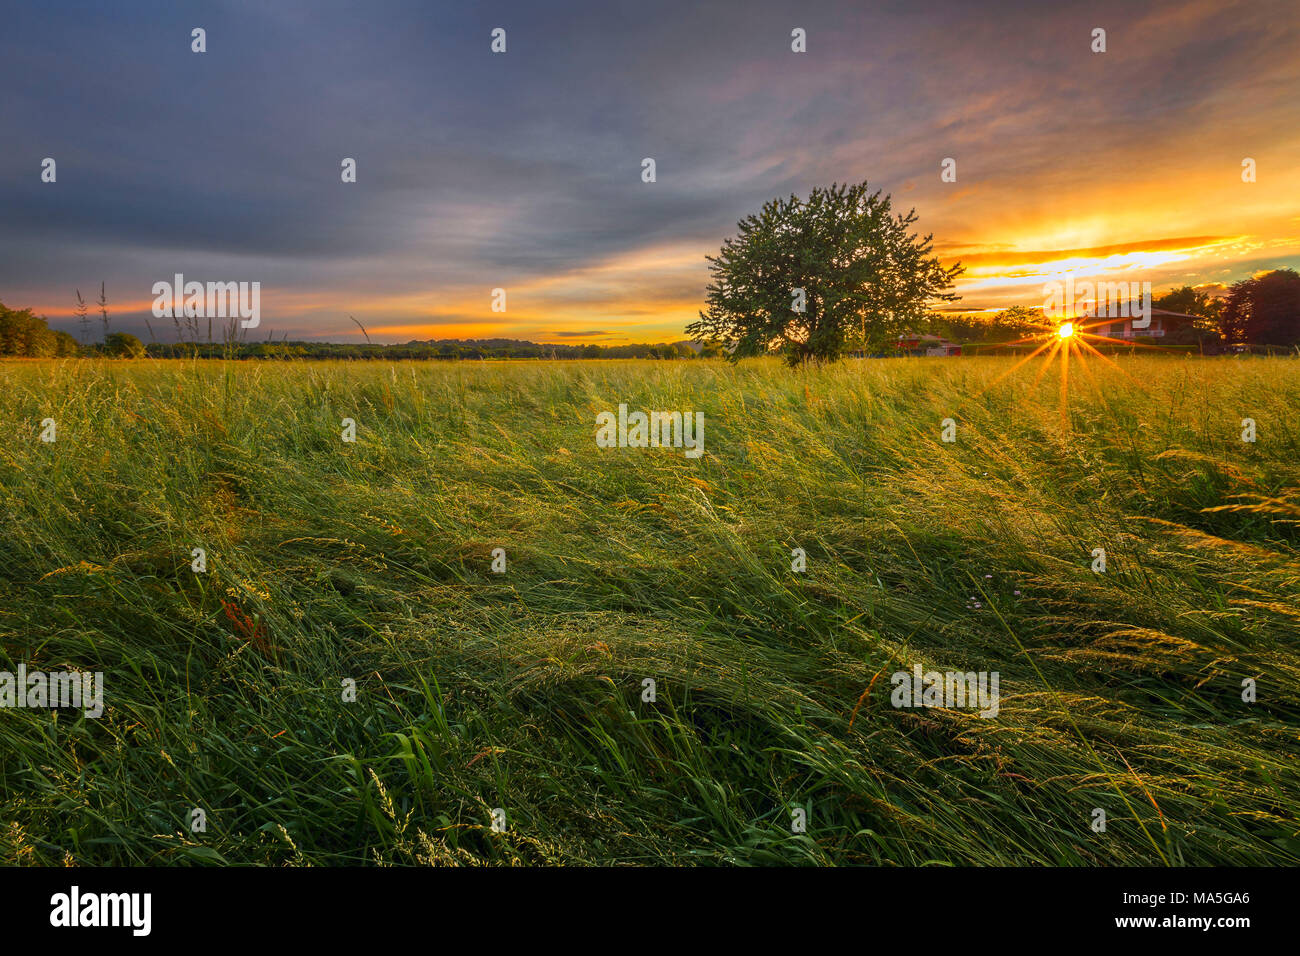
<point>522,170</point>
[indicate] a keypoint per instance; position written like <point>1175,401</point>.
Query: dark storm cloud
<point>477,169</point>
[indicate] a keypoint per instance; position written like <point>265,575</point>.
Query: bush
<point>123,345</point>
<point>65,345</point>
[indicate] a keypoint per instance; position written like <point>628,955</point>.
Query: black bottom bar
<point>335,906</point>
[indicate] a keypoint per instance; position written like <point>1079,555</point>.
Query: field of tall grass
<point>524,691</point>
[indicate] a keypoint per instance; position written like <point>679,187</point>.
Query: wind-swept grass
<point>523,691</point>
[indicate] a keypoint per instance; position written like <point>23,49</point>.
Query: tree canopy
<point>812,278</point>
<point>1264,310</point>
<point>24,333</point>
<point>1190,301</point>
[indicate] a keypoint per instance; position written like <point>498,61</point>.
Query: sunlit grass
<point>524,691</point>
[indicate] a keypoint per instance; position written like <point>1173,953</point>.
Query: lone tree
<point>814,278</point>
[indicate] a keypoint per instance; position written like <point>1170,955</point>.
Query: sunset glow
<point>1124,166</point>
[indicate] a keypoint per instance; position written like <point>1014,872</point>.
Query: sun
<point>1066,340</point>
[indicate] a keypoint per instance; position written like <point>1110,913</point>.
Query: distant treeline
<point>23,333</point>
<point>443,349</point>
